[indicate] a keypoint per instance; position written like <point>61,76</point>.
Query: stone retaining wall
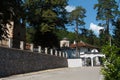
<point>13,61</point>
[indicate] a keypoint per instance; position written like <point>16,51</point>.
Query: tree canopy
<point>76,18</point>
<point>46,16</point>
<point>107,11</point>
<point>9,10</point>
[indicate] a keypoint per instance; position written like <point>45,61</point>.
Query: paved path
<point>82,73</point>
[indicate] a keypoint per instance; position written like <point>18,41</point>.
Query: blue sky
<point>88,5</point>
<point>90,19</point>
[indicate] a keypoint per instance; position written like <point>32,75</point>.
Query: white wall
<point>74,62</point>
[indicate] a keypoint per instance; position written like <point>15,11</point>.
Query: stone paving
<point>81,73</point>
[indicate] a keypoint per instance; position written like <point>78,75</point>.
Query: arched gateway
<point>94,58</point>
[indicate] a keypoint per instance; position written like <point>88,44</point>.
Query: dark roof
<point>82,44</point>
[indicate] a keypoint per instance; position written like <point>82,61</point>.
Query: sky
<point>90,18</point>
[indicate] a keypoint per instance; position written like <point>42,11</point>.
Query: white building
<point>87,54</point>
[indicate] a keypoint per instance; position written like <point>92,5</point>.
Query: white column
<point>32,47</point>
<point>10,42</point>
<point>59,53</point>
<point>97,61</point>
<point>22,45</point>
<point>46,50</point>
<point>92,61</point>
<point>63,54</point>
<point>56,52</point>
<point>51,51</point>
<point>39,49</point>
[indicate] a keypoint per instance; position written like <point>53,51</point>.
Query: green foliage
<point>102,37</point>
<point>46,39</point>
<point>111,69</point>
<point>107,11</point>
<point>76,18</point>
<point>89,37</point>
<point>30,34</point>
<point>116,32</point>
<point>64,33</point>
<point>9,10</point>
<point>46,14</point>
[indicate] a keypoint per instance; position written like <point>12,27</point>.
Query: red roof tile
<point>81,44</point>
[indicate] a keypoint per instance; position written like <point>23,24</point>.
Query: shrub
<point>111,67</point>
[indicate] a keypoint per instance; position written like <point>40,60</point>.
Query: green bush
<point>111,67</point>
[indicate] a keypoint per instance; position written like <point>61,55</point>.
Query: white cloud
<point>95,28</point>
<point>70,8</point>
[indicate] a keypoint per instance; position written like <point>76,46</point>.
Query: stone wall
<point>13,61</point>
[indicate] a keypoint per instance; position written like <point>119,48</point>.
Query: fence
<point>39,49</point>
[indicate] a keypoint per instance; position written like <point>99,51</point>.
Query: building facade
<point>86,54</point>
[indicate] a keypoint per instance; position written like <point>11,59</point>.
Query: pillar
<point>22,45</point>
<point>10,43</point>
<point>39,49</point>
<point>97,61</point>
<point>92,61</point>
<point>46,50</point>
<point>63,54</point>
<point>59,53</point>
<point>51,51</point>
<point>32,47</point>
<point>56,52</point>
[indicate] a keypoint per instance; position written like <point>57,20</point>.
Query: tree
<point>116,35</point>
<point>30,34</point>
<point>102,37</point>
<point>91,38</point>
<point>65,33</point>
<point>107,11</point>
<point>9,11</point>
<point>45,16</point>
<point>76,18</point>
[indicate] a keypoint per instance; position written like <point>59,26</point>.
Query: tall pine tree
<point>107,11</point>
